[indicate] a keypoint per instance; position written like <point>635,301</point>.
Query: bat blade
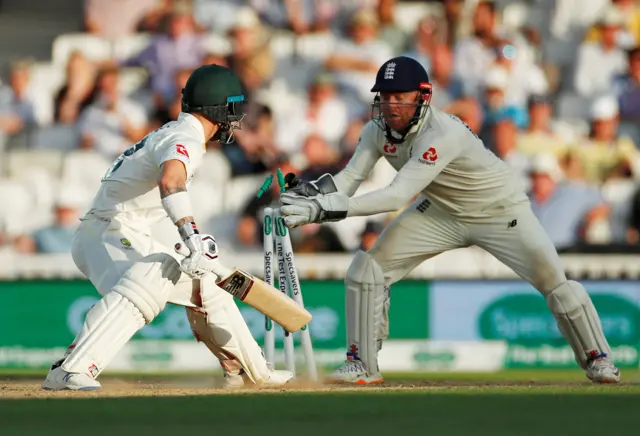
<point>266,299</point>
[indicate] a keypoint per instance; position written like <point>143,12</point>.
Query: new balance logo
<point>424,205</point>
<point>390,71</point>
<point>512,224</point>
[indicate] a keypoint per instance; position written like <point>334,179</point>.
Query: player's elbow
<point>172,179</point>
<point>170,184</point>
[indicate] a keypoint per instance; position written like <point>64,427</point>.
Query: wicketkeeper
<point>468,197</point>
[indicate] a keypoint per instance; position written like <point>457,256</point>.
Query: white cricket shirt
<point>441,158</point>
<point>129,189</point>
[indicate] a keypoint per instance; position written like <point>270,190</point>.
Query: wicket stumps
<point>288,283</point>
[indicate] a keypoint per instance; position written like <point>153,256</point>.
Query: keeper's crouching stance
<point>136,275</point>
<point>469,197</point>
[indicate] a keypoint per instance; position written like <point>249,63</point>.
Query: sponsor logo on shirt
<point>390,149</point>
<point>429,157</point>
<point>181,149</point>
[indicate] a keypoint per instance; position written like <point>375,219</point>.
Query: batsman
<point>136,275</point>
<point>466,196</point>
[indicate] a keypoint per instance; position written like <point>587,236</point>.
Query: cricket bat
<point>266,299</point>
<point>260,295</point>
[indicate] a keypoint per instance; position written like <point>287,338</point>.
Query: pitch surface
<point>508,403</point>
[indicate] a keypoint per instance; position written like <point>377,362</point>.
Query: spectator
<point>525,77</point>
<point>113,122</point>
<point>540,137</point>
<point>251,59</point>
<point>469,111</point>
<point>475,54</point>
<point>317,158</point>
<point>425,40</point>
<point>350,139</point>
<point>250,222</point>
<point>24,244</point>
<point>254,150</point>
<point>172,110</point>
<point>618,191</point>
<point>603,151</point>
<point>447,88</point>
<point>178,48</point>
<point>370,234</point>
<point>316,238</point>
<point>248,43</point>
<point>16,104</point>
<point>599,62</point>
<point>389,30</point>
<point>505,134</point>
<point>633,223</point>
<point>155,18</point>
<point>56,238</point>
<point>629,34</point>
<point>627,88</point>
<point>79,90</point>
<point>453,15</point>
<point>216,15</point>
<point>356,61</point>
<point>295,15</point>
<point>495,106</point>
<point>322,112</point>
<point>115,18</point>
<point>565,209</point>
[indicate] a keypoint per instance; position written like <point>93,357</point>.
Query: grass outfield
<point>508,403</point>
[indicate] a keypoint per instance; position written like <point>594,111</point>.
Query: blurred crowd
<point>551,86</point>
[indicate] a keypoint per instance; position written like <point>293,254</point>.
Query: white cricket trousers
<point>103,250</point>
<point>516,238</point>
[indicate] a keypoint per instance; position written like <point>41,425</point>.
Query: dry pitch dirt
<point>30,389</point>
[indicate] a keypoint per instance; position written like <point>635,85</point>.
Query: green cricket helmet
<point>216,92</point>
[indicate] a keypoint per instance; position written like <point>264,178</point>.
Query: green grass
<point>506,403</point>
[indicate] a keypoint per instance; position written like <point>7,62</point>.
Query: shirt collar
<point>193,122</point>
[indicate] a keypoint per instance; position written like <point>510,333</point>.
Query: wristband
<point>187,230</point>
<point>177,206</point>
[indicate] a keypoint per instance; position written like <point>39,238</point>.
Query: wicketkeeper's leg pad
<point>137,298</point>
<point>219,324</point>
<point>366,305</point>
<point>578,321</point>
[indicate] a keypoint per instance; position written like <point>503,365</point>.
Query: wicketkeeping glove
<point>312,202</point>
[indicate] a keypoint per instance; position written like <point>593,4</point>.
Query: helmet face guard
<point>421,107</point>
<point>228,117</point>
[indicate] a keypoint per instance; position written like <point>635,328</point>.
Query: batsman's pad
<point>365,303</point>
<point>266,299</point>
<point>578,321</point>
<point>140,294</point>
<point>219,324</point>
<point>148,283</point>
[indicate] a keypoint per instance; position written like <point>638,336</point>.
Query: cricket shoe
<point>236,380</point>
<point>602,370</point>
<point>355,372</point>
<point>58,379</point>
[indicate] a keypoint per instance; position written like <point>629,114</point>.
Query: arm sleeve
<point>360,165</point>
<point>420,170</point>
<point>186,151</point>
